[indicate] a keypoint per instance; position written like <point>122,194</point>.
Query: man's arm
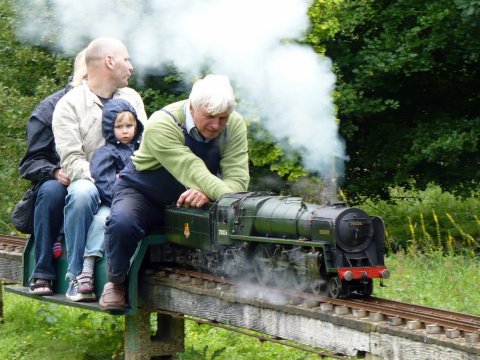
<point>234,166</point>
<point>69,145</point>
<point>165,141</point>
<point>40,160</point>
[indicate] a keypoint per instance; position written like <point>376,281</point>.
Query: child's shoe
<point>73,293</point>
<point>85,283</point>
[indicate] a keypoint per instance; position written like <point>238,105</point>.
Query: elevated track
<point>339,328</point>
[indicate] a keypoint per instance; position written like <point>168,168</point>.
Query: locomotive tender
<point>331,250</point>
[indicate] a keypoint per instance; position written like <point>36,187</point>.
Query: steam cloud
<point>247,40</point>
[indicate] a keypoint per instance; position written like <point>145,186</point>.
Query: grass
<point>434,279</point>
<point>206,342</point>
<point>36,330</point>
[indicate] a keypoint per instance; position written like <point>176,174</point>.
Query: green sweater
<point>163,144</point>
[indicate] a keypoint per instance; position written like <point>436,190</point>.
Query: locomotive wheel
<point>335,287</point>
<point>282,273</point>
<point>301,278</point>
<point>319,287</point>
<point>262,263</point>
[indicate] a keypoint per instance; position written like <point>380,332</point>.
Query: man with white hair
<point>183,149</point>
<point>77,128</point>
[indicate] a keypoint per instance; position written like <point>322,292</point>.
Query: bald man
<point>77,128</point>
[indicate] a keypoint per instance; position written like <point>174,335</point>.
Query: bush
<point>431,219</point>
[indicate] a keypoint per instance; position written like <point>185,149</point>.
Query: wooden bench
<point>139,343</point>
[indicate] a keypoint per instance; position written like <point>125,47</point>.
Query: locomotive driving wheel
<point>282,272</point>
<point>263,264</point>
<point>319,287</point>
<point>300,276</point>
<point>319,284</point>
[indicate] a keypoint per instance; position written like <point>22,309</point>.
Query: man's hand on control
<point>193,198</point>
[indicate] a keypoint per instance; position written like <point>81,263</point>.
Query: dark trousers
<point>47,223</point>
<point>132,216</point>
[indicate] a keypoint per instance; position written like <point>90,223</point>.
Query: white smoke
<point>248,40</point>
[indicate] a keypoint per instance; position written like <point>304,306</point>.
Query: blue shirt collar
<point>190,125</point>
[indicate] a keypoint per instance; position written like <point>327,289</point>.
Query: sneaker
<point>85,283</point>
<point>73,294</point>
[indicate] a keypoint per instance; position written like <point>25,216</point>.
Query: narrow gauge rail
<point>425,310</point>
<point>468,324</point>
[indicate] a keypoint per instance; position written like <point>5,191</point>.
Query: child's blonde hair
<point>79,69</point>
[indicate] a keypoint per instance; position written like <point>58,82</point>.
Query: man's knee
<point>82,193</point>
<point>52,192</point>
<point>123,224</point>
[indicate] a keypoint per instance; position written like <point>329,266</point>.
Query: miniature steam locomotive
<point>331,250</point>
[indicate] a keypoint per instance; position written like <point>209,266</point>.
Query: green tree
<point>27,74</point>
<point>408,96</point>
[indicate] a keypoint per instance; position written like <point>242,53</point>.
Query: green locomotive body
<point>330,249</point>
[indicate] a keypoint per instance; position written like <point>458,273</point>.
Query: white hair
<point>214,94</point>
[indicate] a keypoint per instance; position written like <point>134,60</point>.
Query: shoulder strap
<point>174,119</point>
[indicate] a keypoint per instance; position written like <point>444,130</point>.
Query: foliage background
<point>408,94</point>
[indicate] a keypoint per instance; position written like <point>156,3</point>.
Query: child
<point>122,131</point>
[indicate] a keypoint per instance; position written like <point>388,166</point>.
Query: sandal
<point>113,297</point>
<point>41,287</point>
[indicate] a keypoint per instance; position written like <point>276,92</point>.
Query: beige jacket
<point>77,127</point>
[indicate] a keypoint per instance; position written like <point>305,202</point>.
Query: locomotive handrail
<point>264,239</point>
